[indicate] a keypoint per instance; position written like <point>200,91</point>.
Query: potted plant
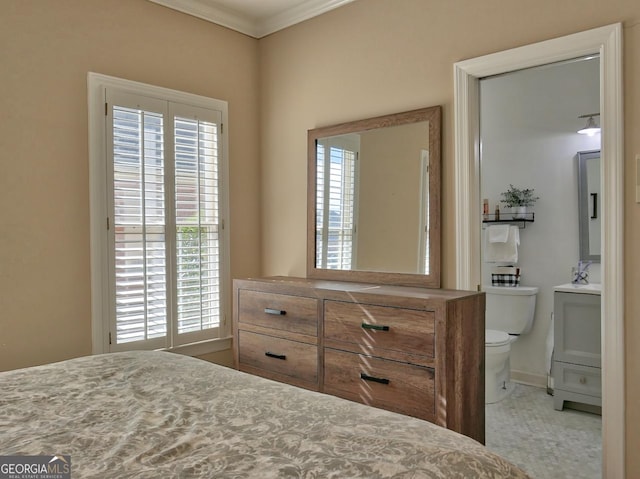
<point>519,199</point>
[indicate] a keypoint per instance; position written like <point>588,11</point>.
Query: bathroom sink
<point>591,288</point>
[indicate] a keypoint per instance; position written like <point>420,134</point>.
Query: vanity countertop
<point>591,288</point>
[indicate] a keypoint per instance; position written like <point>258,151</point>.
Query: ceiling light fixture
<point>592,127</point>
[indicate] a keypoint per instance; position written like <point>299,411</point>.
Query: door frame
<point>607,42</point>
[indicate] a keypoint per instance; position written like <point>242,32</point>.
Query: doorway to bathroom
<point>528,134</point>
<point>529,122</point>
<point>607,42</point>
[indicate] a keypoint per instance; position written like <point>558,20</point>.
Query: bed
<point>159,414</point>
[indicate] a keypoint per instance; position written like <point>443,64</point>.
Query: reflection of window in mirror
<point>423,222</point>
<point>336,201</point>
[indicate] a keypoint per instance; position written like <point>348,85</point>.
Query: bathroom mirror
<point>589,204</point>
<point>374,200</point>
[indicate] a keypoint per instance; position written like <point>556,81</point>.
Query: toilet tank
<point>510,309</point>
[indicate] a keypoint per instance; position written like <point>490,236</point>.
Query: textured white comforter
<point>159,415</point>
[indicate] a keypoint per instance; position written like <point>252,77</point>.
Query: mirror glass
<point>374,200</point>
<point>589,204</point>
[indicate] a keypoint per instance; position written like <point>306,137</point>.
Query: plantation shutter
<point>164,245</point>
<point>336,202</point>
<point>137,230</point>
<point>197,218</point>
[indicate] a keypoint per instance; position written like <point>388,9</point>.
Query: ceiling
<point>256,18</point>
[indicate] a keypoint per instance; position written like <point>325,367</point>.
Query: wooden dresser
<point>410,350</point>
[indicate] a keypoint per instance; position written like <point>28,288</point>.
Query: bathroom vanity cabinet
<point>577,355</point>
<point>415,351</point>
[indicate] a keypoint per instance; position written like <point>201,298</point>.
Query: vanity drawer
<point>296,314</point>
<point>578,379</point>
<point>281,356</point>
<point>377,329</point>
<point>399,387</point>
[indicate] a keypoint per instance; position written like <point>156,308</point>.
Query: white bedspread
<point>159,415</point>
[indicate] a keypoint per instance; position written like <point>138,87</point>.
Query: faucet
<point>581,273</point>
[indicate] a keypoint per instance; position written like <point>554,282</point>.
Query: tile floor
<point>546,443</point>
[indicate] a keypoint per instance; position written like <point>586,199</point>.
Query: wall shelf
<point>508,218</point>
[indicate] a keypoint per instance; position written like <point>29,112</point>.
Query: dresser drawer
<point>281,356</point>
<point>375,329</point>
<point>278,311</point>
<point>578,379</point>
<point>399,387</point>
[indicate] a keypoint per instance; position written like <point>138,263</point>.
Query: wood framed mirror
<point>373,200</point>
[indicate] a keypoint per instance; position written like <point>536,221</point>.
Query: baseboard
<point>537,380</point>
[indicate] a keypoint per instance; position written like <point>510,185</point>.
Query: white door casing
<point>607,42</point>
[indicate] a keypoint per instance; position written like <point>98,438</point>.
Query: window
<point>161,271</point>
<point>336,201</point>
<point>423,221</point>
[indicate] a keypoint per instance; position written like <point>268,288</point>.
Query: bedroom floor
<point>546,443</point>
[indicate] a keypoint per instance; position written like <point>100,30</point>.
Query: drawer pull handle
<point>583,380</point>
<point>277,312</point>
<point>375,326</point>
<point>366,377</point>
<point>276,356</point>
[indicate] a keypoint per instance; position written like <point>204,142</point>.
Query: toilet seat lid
<point>496,338</point>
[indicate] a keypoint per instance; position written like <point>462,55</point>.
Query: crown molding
<point>247,24</point>
<point>212,13</point>
<point>297,14</point>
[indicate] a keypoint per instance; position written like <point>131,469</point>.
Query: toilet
<point>509,313</point>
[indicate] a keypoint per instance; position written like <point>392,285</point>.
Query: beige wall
<point>224,358</point>
<point>46,49</point>
<point>374,57</point>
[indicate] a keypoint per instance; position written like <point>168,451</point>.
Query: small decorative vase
<point>519,212</point>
